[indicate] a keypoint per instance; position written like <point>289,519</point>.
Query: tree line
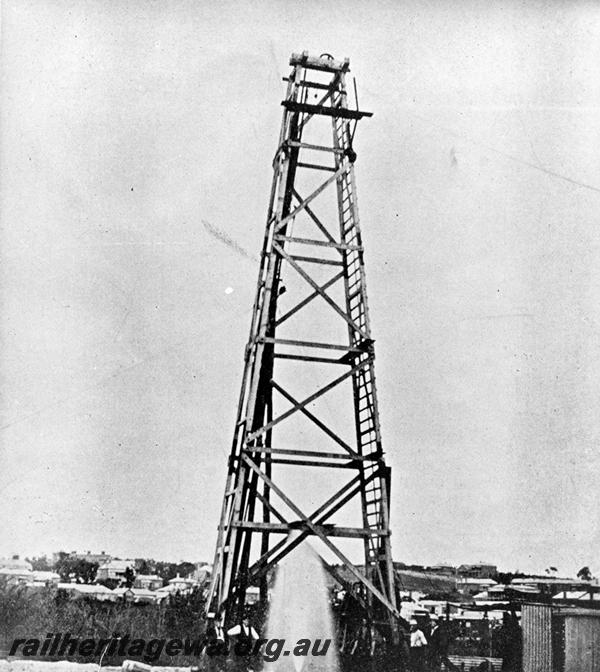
<point>79,570</point>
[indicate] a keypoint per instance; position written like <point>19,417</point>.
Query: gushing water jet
<point>300,613</point>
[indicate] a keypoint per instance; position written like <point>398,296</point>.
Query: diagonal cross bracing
<point>315,219</point>
<point>317,289</point>
<point>310,198</point>
<point>319,533</point>
<point>301,404</point>
<point>311,416</point>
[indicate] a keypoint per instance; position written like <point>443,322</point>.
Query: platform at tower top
<point>323,62</point>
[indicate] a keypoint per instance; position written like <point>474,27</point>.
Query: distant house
<point>41,578</point>
<point>99,558</point>
<point>448,570</point>
<point>114,570</point>
<point>480,570</point>
<point>148,582</point>
<point>472,586</point>
<point>16,571</point>
<point>182,584</point>
<point>86,590</point>
<point>551,585</point>
<point>178,585</point>
<point>139,595</point>
<point>16,577</point>
<point>15,562</point>
<point>201,574</point>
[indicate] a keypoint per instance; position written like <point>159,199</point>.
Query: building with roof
<point>16,571</point>
<point>100,558</point>
<point>559,637</point>
<point>480,570</point>
<point>114,570</point>
<point>552,584</point>
<point>443,568</point>
<point>178,585</point>
<point>16,577</point>
<point>472,586</point>
<point>182,584</point>
<point>88,556</point>
<point>15,562</point>
<point>148,582</point>
<point>201,574</point>
<point>93,591</point>
<point>43,578</point>
<point>140,595</point>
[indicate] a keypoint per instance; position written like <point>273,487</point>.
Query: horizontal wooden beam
<point>315,463</point>
<point>315,166</point>
<point>309,344</point>
<point>329,530</point>
<point>316,148</point>
<point>338,112</point>
<point>331,87</point>
<point>316,260</point>
<point>320,243</point>
<point>308,358</point>
<point>311,453</point>
<point>307,84</point>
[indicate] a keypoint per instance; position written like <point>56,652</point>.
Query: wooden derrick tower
<point>307,453</point>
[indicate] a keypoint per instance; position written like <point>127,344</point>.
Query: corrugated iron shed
<point>536,622</point>
<point>581,641</point>
<point>560,638</point>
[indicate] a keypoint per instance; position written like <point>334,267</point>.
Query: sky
<point>136,141</point>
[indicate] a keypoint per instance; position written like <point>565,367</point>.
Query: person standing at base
<point>438,643</point>
<point>215,647</point>
<point>244,637</point>
<point>418,648</point>
<point>512,643</point>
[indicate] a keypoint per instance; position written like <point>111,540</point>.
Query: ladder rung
<point>315,166</point>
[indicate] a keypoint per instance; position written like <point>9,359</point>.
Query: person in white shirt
<point>245,637</point>
<point>418,647</point>
<point>243,631</point>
